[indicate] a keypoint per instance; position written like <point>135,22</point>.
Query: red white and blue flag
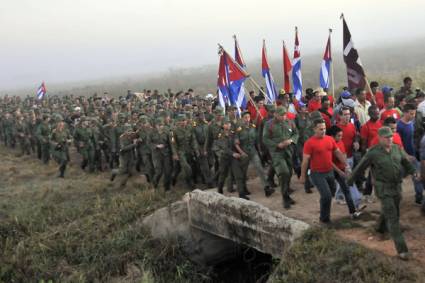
<point>41,91</point>
<point>326,66</point>
<point>287,67</point>
<point>240,98</point>
<point>271,93</point>
<point>230,79</point>
<point>296,69</point>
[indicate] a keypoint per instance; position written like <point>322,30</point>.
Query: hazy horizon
<point>69,41</point>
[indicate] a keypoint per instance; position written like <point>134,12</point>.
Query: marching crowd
<point>328,143</point>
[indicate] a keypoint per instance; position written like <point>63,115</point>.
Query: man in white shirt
<point>361,106</point>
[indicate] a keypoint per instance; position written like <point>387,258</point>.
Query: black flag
<point>355,74</point>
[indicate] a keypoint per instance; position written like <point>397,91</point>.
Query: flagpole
<point>332,65</point>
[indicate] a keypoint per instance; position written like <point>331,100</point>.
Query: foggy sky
<point>67,40</point>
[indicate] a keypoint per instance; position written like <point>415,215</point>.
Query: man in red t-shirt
<point>315,103</point>
<point>391,123</point>
<point>370,130</point>
<point>319,151</point>
<point>349,133</point>
<point>390,111</point>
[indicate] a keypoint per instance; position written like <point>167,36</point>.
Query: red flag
<point>287,67</point>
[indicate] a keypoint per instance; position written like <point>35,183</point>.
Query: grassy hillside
<point>387,64</point>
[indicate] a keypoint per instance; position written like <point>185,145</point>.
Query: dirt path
<point>360,230</point>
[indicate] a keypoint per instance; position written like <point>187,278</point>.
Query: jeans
<point>325,184</point>
<point>346,191</point>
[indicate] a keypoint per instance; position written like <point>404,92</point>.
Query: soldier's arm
<point>295,134</point>
<point>360,168</point>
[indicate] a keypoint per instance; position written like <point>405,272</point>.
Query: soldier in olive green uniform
<point>8,130</point>
<point>245,142</point>
<point>84,141</point>
<point>211,146</point>
<point>387,162</point>
<point>143,149</point>
<point>128,141</point>
<point>279,133</point>
<point>225,151</point>
<point>159,141</point>
<point>184,145</point>
<point>200,129</point>
<point>21,135</point>
<point>59,140</point>
<point>43,136</point>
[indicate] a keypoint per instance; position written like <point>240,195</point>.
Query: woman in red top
<point>341,170</point>
<point>349,136</point>
<point>319,150</point>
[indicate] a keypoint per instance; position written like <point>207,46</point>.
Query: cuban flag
<point>326,66</point>
<point>41,91</point>
<point>231,77</point>
<point>240,98</point>
<point>223,91</point>
<point>270,86</point>
<point>296,69</point>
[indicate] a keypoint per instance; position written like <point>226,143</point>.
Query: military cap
<point>281,110</point>
<point>246,113</point>
<point>218,110</point>
<point>226,119</point>
<point>181,117</point>
<point>282,91</point>
<point>410,97</point>
<point>270,108</point>
<point>159,121</point>
<point>315,115</point>
<point>385,132</point>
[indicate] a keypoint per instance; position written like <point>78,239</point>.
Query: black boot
<point>268,191</point>
<point>62,171</point>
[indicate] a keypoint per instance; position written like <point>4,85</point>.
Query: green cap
<point>385,132</point>
<point>226,119</point>
<point>181,117</point>
<point>281,110</point>
<point>270,108</point>
<point>218,110</point>
<point>315,115</point>
<point>410,97</point>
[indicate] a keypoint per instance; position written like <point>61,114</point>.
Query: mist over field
<point>388,65</point>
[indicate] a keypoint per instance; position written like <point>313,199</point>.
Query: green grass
<point>320,256</point>
<point>82,229</point>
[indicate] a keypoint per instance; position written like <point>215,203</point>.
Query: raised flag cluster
<point>41,91</point>
<point>232,72</point>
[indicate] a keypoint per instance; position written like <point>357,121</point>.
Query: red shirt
<point>379,98</point>
<point>348,135</point>
<point>314,105</point>
<point>290,116</point>
<point>321,152</point>
<point>336,161</point>
<point>369,131</point>
<point>396,140</point>
<point>390,113</point>
<point>327,118</point>
<point>258,118</point>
